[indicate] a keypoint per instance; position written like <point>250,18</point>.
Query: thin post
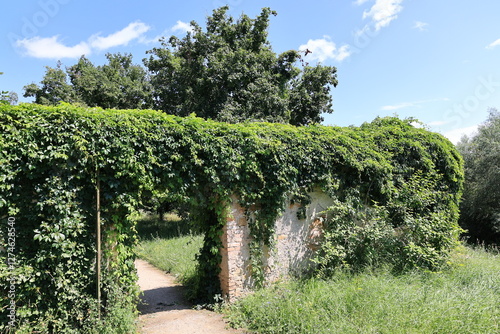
<point>98,236</point>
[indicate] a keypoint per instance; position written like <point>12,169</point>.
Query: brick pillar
<point>235,275</point>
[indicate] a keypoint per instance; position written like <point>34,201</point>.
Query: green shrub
<point>411,230</point>
<point>354,238</point>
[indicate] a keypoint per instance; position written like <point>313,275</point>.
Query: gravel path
<point>165,310</point>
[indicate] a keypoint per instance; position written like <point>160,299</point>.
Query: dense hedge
<point>50,158</point>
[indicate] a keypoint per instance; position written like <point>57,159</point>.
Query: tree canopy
<point>119,84</point>
<point>230,73</point>
<point>53,88</point>
<point>226,72</point>
<point>480,208</point>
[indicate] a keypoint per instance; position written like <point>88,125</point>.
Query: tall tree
<point>230,73</point>
<point>54,88</point>
<point>480,207</point>
<point>118,84</point>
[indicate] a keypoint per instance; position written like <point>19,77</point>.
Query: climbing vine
<point>49,155</point>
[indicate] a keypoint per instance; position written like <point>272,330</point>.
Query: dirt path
<point>164,309</point>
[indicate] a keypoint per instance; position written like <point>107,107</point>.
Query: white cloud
<point>418,125</point>
<point>52,48</point>
<point>323,49</point>
<point>182,26</point>
<point>411,104</point>
<point>398,106</point>
<point>455,135</point>
<point>343,53</point>
<point>383,12</point>
<point>133,31</point>
<point>420,25</point>
<point>494,44</point>
<point>179,26</point>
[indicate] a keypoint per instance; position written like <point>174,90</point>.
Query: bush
<point>354,238</point>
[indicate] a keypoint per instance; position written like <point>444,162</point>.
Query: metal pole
<point>98,259</point>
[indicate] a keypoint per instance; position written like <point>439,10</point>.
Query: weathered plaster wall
<point>294,243</point>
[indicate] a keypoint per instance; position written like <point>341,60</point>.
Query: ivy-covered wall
<point>51,158</point>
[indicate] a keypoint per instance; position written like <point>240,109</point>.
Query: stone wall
<point>295,241</point>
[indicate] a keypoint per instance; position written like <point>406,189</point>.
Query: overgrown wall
<point>293,245</point>
<point>52,157</point>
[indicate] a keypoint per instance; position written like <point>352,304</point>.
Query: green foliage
<point>354,238</point>
<point>150,226</point>
<point>8,97</point>
<point>54,88</point>
<point>230,73</point>
<point>50,158</point>
<point>411,230</point>
<point>462,299</point>
<point>118,84</point>
<point>309,96</point>
<point>48,185</point>
<point>480,208</point>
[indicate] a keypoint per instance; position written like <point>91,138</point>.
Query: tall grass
<point>463,299</point>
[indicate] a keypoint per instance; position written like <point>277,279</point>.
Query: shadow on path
<point>162,299</point>
<point>160,291</point>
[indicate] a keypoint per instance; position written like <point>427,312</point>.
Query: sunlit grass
<point>462,299</point>
<point>170,245</point>
<point>176,256</point>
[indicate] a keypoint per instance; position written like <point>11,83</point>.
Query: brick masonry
<point>295,241</point>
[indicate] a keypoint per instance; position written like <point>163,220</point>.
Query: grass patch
<point>170,245</point>
<point>463,299</point>
<point>175,256</point>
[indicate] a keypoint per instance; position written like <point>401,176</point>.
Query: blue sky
<point>435,60</point>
